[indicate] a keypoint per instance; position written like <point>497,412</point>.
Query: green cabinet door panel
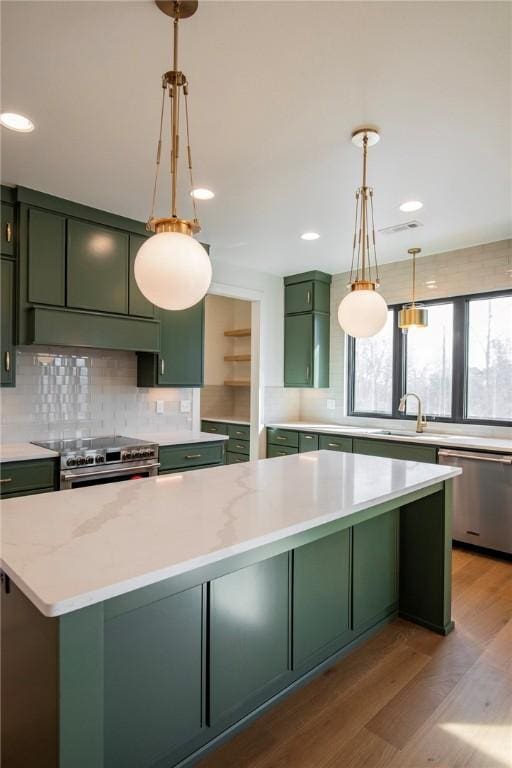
<point>153,680</point>
<point>97,268</point>
<point>308,441</point>
<point>20,477</point>
<point>307,292</point>
<point>396,450</point>
<point>248,637</point>
<point>298,298</point>
<point>137,302</point>
<point>335,443</point>
<point>287,437</point>
<point>239,431</point>
<point>375,574</point>
<point>321,597</point>
<point>298,350</point>
<point>273,451</point>
<point>7,237</point>
<point>236,458</point>
<point>190,456</point>
<point>46,244</point>
<point>238,446</point>
<point>214,427</point>
<point>7,290</point>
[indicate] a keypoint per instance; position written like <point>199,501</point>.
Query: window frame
<point>459,364</point>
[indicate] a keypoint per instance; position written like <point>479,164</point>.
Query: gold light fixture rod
<point>182,9</point>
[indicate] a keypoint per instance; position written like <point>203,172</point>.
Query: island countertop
<point>72,549</point>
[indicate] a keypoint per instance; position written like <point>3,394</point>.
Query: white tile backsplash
<point>63,392</point>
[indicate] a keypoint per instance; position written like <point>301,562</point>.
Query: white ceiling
<point>276,89</point>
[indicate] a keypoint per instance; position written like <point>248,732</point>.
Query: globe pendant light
<point>363,312</point>
<point>171,268</point>
<point>413,315</point>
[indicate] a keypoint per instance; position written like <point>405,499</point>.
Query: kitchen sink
<point>399,432</point>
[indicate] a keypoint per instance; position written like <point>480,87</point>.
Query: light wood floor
<point>406,699</point>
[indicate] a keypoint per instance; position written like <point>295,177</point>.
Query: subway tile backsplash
<point>63,392</point>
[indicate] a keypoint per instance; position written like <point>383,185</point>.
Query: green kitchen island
<point>144,622</point>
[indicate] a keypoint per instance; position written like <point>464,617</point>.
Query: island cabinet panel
<point>395,450</point>
<point>153,663</point>
<point>321,598</point>
<point>248,638</point>
<point>137,302</point>
<point>46,245</point>
<point>7,286</point>
<point>375,570</point>
<point>97,267</point>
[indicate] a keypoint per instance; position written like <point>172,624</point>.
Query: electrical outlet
<point>159,406</point>
<point>185,406</point>
<point>331,405</point>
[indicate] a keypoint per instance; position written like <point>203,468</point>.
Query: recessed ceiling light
<point>16,122</point>
<point>411,205</point>
<point>310,236</point>
<point>201,193</point>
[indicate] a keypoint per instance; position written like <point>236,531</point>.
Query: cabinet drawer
<point>238,446</point>
<point>214,427</point>
<point>236,458</point>
<point>194,455</point>
<point>283,437</point>
<point>280,450</point>
<point>18,477</point>
<point>335,443</point>
<point>396,450</point>
<point>239,431</point>
<point>308,441</point>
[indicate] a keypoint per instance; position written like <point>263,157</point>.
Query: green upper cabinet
<point>46,246</point>
<point>7,377</point>
<point>8,232</point>
<point>97,268</point>
<point>306,329</point>
<point>180,362</point>
<point>137,302</point>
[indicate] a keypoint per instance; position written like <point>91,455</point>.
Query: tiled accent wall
<point>281,404</point>
<point>216,401</point>
<point>76,392</point>
<point>469,270</point>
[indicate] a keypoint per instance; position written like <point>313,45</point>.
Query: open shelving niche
<point>235,334</point>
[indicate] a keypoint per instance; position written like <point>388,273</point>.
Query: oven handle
<point>126,471</point>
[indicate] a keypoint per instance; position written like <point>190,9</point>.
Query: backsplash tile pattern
<point>63,392</point>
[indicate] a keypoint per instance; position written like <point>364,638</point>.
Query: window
<point>374,371</point>
<point>429,353</point>
<point>460,365</point>
<point>489,382</point>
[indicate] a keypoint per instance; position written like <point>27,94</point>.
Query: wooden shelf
<point>238,332</point>
<point>237,358</point>
<point>237,383</point>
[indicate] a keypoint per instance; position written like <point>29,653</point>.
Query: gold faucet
<point>421,421</point>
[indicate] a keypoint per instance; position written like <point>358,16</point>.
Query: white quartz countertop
<point>468,442</point>
<point>226,420</point>
<point>71,549</point>
<point>180,437</point>
<point>24,452</point>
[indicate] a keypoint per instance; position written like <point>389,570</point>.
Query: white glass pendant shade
<point>173,270</point>
<point>362,313</point>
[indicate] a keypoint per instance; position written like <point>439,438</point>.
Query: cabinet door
<point>97,268</point>
<point>137,302</point>
<point>7,235</point>
<point>308,441</point>
<point>396,450</point>
<point>335,443</point>
<point>298,350</point>
<point>375,558</point>
<point>248,637</point>
<point>181,347</point>
<point>298,298</point>
<point>152,680</point>
<point>321,597</point>
<point>7,321</point>
<point>46,258</point>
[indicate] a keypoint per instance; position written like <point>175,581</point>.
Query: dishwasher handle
<point>501,459</point>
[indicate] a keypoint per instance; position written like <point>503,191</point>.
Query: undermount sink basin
<point>399,432</point>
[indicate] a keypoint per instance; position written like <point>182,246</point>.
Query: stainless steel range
<point>95,460</point>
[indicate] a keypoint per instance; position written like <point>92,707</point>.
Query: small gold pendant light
<point>413,315</point>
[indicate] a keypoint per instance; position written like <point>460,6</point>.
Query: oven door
<point>80,478</point>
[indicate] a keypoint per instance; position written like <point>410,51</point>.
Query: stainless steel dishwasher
<point>482,498</point>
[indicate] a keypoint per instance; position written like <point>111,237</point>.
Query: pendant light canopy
<point>172,269</point>
<point>363,312</point>
<point>413,315</point>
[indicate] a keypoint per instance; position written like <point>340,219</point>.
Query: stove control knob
<point>80,461</point>
<point>100,459</point>
<point>70,463</point>
<point>90,460</point>
<point>126,456</point>
<point>136,454</point>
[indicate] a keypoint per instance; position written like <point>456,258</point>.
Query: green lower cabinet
<point>214,427</point>
<point>396,450</point>
<point>288,437</point>
<point>7,287</point>
<point>375,575</point>
<point>335,443</point>
<point>152,662</point>
<point>236,458</point>
<point>20,478</point>
<point>273,451</point>
<point>174,458</point>
<point>321,598</point>
<point>248,637</point>
<point>308,441</point>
